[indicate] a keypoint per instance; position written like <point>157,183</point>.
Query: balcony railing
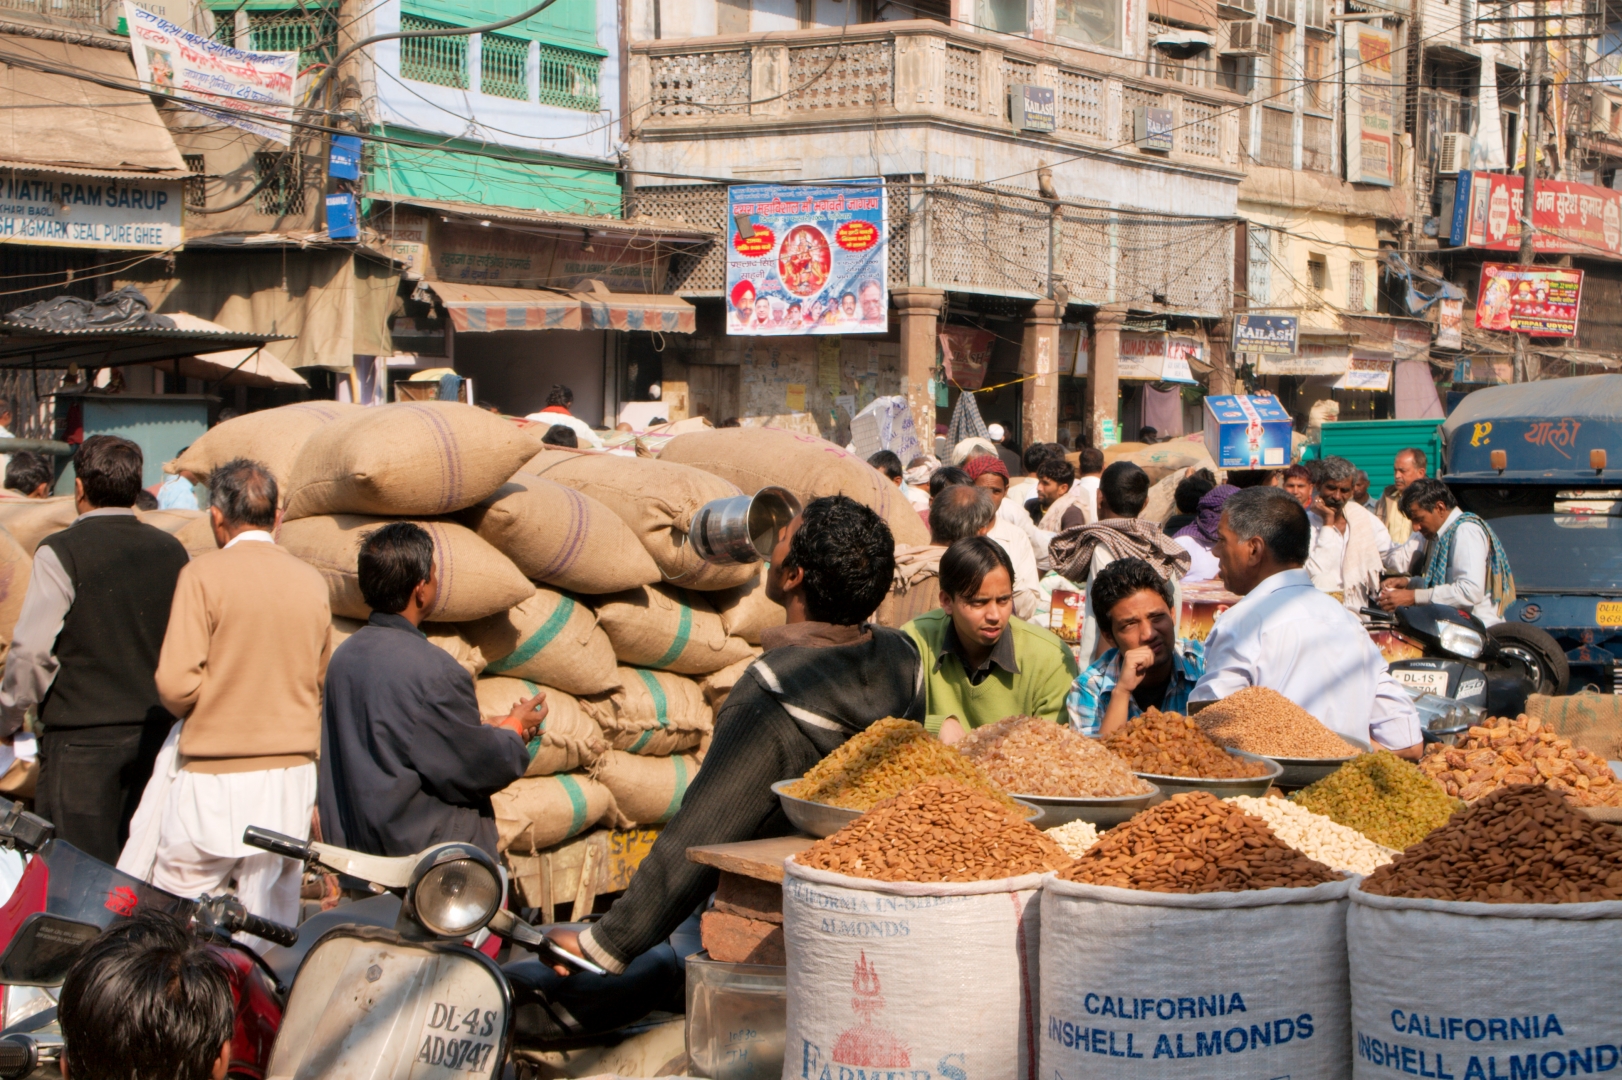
<point>918,69</point>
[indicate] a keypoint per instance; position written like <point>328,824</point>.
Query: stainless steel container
<point>743,528</point>
<point>820,819</point>
<point>1222,789</point>
<point>1103,812</point>
<point>1299,772</point>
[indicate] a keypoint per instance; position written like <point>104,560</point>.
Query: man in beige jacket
<point>242,664</point>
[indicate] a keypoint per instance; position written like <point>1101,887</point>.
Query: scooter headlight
<point>456,898</point>
<point>1461,640</point>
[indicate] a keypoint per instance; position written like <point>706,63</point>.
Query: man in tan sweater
<point>242,664</point>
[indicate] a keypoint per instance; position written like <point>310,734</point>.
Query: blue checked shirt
<point>1089,695</point>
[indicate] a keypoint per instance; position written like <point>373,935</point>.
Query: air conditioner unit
<point>1454,155</point>
<point>1249,39</point>
<point>1601,120</point>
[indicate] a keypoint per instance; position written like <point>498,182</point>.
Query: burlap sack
<point>810,467</point>
<point>647,790</point>
<point>535,812</point>
<point>569,740</point>
<point>1590,720</point>
<point>717,685</point>
<point>1160,459</point>
<point>197,536</point>
<point>31,520</point>
<point>409,458</point>
<point>272,437</point>
<point>444,635</point>
<point>550,638</point>
<point>657,499</point>
<point>16,565</point>
<point>660,627</point>
<point>653,713</point>
<point>170,521</point>
<point>562,536</point>
<point>474,578</point>
<point>747,610</point>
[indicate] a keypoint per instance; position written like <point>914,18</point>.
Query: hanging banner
<point>1157,358</point>
<point>1571,219</point>
<point>1369,105</point>
<point>1368,371</point>
<point>807,259</point>
<point>1265,335</point>
<point>1450,324</point>
<point>248,90</point>
<point>966,351</point>
<point>1535,300</point>
<point>1309,359</point>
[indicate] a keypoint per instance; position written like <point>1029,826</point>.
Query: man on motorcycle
<point>825,676</point>
<point>1465,565</point>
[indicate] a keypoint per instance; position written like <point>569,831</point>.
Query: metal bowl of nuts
<point>820,819</point>
<point>1100,811</point>
<point>1222,789</point>
<point>1299,772</point>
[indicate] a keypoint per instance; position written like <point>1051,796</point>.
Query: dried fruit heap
<point>940,830</point>
<point>1266,722</point>
<point>1074,836</point>
<point>1196,843</point>
<point>1520,845</point>
<point>1383,797</point>
<point>1031,756</point>
<point>1317,837</point>
<point>1171,744</point>
<point>888,758</point>
<point>1521,751</point>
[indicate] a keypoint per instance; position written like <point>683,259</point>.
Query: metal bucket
<point>744,528</point>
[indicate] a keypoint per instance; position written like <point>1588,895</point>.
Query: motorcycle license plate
<point>1433,682</point>
<point>1608,613</point>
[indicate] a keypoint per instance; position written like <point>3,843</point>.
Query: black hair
<point>1147,434</point>
<point>1251,478</point>
<point>1058,470</point>
<point>1038,452</point>
<point>1425,493</point>
<point>145,1001</point>
<point>560,395</point>
<point>1125,488</point>
<point>145,500</point>
<point>1190,490</point>
<point>966,563</point>
<point>1092,460</point>
<point>25,472</point>
<point>560,435</point>
<point>947,476</point>
<point>1119,580</point>
<point>1272,514</point>
<point>245,493</point>
<point>847,554</point>
<point>887,462</point>
<point>394,560</point>
<point>110,469</point>
<point>959,512</point>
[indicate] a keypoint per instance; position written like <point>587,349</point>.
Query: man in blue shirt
<point>1146,666</point>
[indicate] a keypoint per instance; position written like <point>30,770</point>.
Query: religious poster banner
<point>807,259</point>
<point>1538,300</point>
<point>1370,107</point>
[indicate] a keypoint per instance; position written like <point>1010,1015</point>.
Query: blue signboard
<point>343,161</point>
<point>1247,431</point>
<point>1268,335</point>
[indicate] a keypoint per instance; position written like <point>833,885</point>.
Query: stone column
<point>1103,382</point>
<point>1039,356</point>
<point>919,310</point>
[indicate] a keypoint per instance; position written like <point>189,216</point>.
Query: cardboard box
<point>1247,432</point>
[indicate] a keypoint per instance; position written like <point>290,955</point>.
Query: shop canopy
<point>98,347</point>
<point>231,367</point>
<point>482,308</point>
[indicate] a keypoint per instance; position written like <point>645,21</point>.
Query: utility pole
<point>1533,124</point>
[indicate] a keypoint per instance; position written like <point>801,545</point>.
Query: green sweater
<point>1046,670</point>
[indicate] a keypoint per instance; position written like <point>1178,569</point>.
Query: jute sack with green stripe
<point>657,626</point>
<point>657,500</point>
<point>562,536</point>
<point>747,610</point>
<point>409,458</point>
<point>535,812</point>
<point>445,635</point>
<point>647,790</point>
<point>717,685</point>
<point>653,713</point>
<point>569,739</point>
<point>272,437</point>
<point>550,638</point>
<point>474,578</point>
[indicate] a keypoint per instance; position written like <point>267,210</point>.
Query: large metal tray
<point>1299,772</point>
<point>1103,812</point>
<point>1222,789</point>
<point>820,819</point>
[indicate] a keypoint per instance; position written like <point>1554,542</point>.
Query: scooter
<point>1461,660</point>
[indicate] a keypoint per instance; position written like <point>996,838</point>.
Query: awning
<point>111,348</point>
<point>233,367</point>
<point>637,311</point>
<point>478,308</point>
<point>62,123</point>
<point>572,225</point>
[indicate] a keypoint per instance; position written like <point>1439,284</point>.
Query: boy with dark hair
<point>1062,503</point>
<point>406,760</point>
<point>827,674</point>
<point>1190,490</point>
<point>1145,665</point>
<point>889,464</point>
<point>146,1001</point>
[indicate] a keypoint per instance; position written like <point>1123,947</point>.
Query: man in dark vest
<point>85,651</point>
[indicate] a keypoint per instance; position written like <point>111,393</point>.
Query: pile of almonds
<point>1171,744</point>
<point>1520,845</point>
<point>1521,751</point>
<point>1266,722</point>
<point>1196,843</point>
<point>1029,755</point>
<point>940,830</point>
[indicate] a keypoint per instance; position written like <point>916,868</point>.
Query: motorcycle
<point>1461,660</point>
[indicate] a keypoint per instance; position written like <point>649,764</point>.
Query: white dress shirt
<point>1466,583</point>
<point>1013,541</point>
<point>1324,556</point>
<point>1203,566</point>
<point>1289,637</point>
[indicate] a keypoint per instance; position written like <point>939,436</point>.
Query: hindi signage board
<point>1369,105</point>
<point>1157,358</point>
<point>1570,219</point>
<point>1540,300</point>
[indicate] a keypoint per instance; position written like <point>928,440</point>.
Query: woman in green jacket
<point>981,664</point>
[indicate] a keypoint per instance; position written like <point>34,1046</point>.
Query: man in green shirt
<point>981,663</point>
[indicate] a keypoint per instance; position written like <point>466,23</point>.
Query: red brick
<point>733,939</point>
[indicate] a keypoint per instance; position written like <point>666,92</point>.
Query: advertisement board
<point>1369,105</point>
<point>1157,357</point>
<point>1265,335</point>
<point>1247,431</point>
<point>1540,300</point>
<point>1571,219</point>
<point>1309,359</point>
<point>807,259</point>
<point>249,90</point>
<point>81,211</point>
